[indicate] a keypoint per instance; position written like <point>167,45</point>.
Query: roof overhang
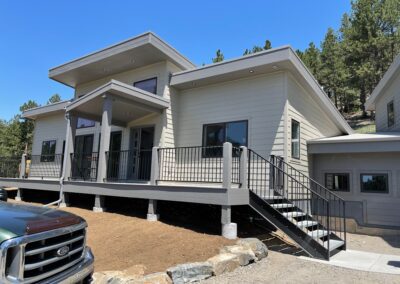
<point>129,103</point>
<point>52,109</point>
<point>392,73</point>
<point>273,60</point>
<point>356,143</point>
<point>136,52</point>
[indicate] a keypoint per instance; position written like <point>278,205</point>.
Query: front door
<point>142,141</point>
<point>82,159</point>
<point>114,155</point>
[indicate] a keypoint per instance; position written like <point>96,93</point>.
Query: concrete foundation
<point>229,231</point>
<point>153,217</point>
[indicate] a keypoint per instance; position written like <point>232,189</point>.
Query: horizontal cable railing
<point>196,164</point>
<point>84,166</point>
<point>45,166</point>
<point>10,166</point>
<point>266,180</point>
<point>337,204</point>
<point>129,165</point>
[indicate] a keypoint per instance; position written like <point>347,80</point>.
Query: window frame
<point>50,157</point>
<point>148,79</point>
<point>292,140</point>
<point>391,120</point>
<point>362,190</point>
<point>338,173</point>
<point>205,155</point>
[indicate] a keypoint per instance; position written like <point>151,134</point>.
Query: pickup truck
<point>43,245</point>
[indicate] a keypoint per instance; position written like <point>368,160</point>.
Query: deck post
<point>243,167</point>
<point>229,229</point>
<point>152,211</point>
<point>105,138</point>
<point>227,166</point>
<point>69,145</point>
<point>98,203</point>
<point>19,195</point>
<point>64,200</point>
<point>155,167</point>
<point>22,171</point>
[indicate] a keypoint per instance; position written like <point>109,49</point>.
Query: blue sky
<point>38,35</point>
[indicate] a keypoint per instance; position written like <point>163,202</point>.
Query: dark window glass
<point>374,183</point>
<point>149,85</point>
<point>84,123</point>
<point>295,139</point>
<point>48,151</point>
<point>390,113</point>
<point>339,182</point>
<point>218,133</point>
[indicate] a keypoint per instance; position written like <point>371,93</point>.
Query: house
<point>257,130</point>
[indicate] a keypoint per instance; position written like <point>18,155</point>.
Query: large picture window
<point>217,133</point>
<point>295,139</point>
<point>149,85</point>
<point>337,181</point>
<point>390,114</point>
<point>84,123</point>
<point>48,151</point>
<point>374,183</point>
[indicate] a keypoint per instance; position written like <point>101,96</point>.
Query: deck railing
<point>197,164</point>
<point>84,166</point>
<point>45,166</point>
<point>10,166</point>
<point>129,165</point>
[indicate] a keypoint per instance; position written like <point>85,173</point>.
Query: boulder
<point>154,278</point>
<point>257,246</point>
<point>190,272</point>
<point>246,255</point>
<point>224,262</point>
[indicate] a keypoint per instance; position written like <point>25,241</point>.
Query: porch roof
<point>129,103</point>
<point>51,109</point>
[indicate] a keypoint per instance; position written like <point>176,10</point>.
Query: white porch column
<point>229,229</point>
<point>69,144</point>
<point>105,138</point>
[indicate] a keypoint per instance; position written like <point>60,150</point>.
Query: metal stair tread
<point>293,214</point>
<point>306,223</point>
<point>271,197</point>
<point>316,234</point>
<point>282,205</point>
<point>333,244</point>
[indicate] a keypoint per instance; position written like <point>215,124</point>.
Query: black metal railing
<point>270,178</point>
<point>196,164</point>
<point>10,166</point>
<point>337,205</point>
<point>84,166</point>
<point>129,165</point>
<point>45,166</point>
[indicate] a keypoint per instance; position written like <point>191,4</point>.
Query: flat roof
<point>357,137</point>
<point>46,110</point>
<point>141,50</point>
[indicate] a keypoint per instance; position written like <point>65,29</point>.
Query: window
<point>390,114</point>
<point>218,133</point>
<point>374,183</point>
<point>149,85</point>
<point>84,123</point>
<point>339,182</point>
<point>48,151</point>
<point>295,139</point>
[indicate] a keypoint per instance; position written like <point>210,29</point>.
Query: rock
<point>246,255</point>
<point>190,272</point>
<point>224,262</point>
<point>155,278</point>
<point>135,270</point>
<point>257,246</point>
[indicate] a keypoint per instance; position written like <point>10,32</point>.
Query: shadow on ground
<point>196,217</point>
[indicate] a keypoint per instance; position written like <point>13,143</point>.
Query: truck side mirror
<point>3,194</point>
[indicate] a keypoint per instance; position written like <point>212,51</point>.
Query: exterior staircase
<point>306,211</point>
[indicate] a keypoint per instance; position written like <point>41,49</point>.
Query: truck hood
<point>18,220</point>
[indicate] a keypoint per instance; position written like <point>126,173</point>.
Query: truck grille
<point>38,257</point>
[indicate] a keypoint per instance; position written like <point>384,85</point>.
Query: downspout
<point>66,150</point>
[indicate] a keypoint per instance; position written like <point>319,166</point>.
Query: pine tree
<point>54,99</point>
<point>219,56</point>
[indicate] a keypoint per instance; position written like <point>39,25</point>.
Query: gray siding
<point>314,123</point>
<point>49,128</point>
<point>377,208</point>
<point>392,92</point>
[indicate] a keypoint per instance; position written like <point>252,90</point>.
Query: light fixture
<point>275,67</point>
<point>251,71</point>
